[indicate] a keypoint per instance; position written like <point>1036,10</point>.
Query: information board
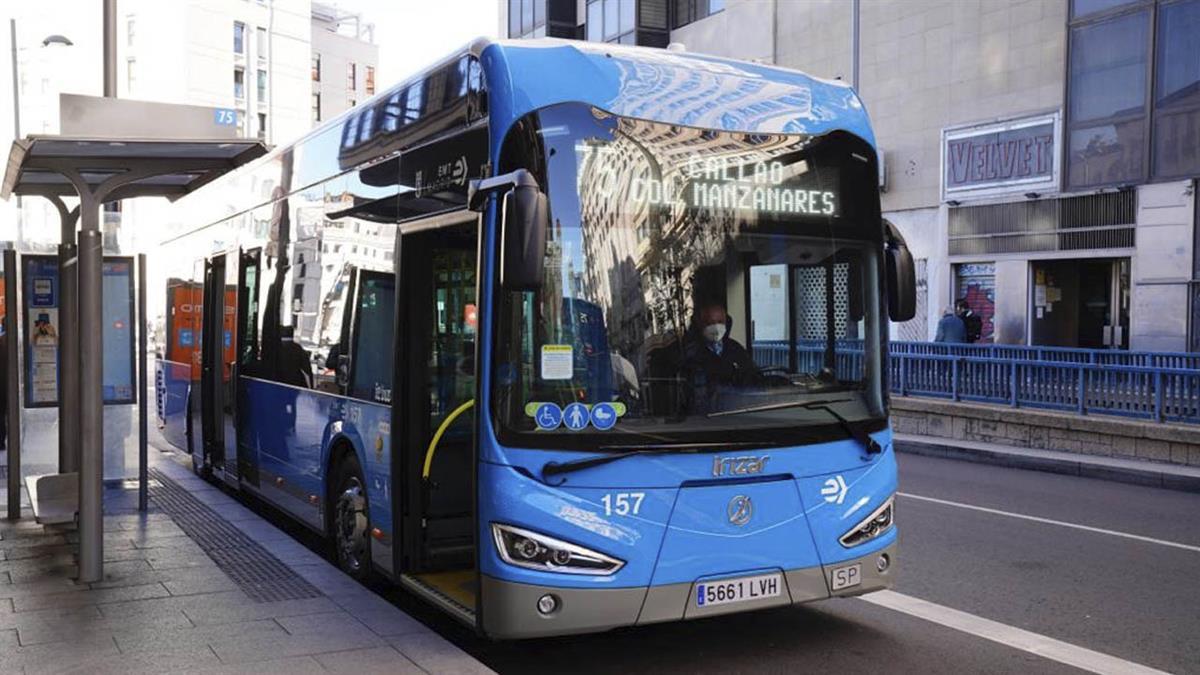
<point>119,323</point>
<point>40,279</point>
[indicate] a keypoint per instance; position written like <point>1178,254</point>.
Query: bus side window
<point>371,349</point>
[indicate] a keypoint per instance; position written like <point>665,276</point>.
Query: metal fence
<point>1161,386</point>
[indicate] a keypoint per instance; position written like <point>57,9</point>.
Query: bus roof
<point>666,86</point>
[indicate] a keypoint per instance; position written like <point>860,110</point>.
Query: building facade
<point>344,60</point>
<point>1040,156</point>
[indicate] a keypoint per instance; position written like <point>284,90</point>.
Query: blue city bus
<point>499,334</point>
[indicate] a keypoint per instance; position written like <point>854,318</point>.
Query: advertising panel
<point>119,324</point>
<point>40,275</point>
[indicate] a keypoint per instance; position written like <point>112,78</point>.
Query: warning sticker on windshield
<point>558,362</point>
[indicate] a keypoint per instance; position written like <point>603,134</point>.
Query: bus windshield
<point>700,288</point>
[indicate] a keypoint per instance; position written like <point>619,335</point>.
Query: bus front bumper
<point>510,610</point>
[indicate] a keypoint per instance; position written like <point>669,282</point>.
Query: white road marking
<point>1050,521</point>
<point>1046,647</point>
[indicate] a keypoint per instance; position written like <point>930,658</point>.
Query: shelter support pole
<point>91,398</point>
<point>11,383</point>
<point>68,341</point>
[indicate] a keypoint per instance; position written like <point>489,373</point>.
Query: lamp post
<point>48,41</point>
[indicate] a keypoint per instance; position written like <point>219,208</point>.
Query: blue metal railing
<point>1160,386</point>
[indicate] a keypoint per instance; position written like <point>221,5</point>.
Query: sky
<point>412,34</point>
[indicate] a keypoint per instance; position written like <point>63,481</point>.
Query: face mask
<point>714,332</point>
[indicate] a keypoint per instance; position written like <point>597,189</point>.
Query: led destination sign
<point>717,183</point>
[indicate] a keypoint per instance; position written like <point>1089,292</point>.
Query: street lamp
<point>49,40</point>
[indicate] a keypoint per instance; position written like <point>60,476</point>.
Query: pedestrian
<point>951,328</point>
<point>972,322</point>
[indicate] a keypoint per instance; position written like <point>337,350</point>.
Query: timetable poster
<point>40,275</point>
<point>118,331</point>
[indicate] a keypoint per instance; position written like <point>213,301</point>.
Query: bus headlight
<point>546,554</point>
<point>872,526</point>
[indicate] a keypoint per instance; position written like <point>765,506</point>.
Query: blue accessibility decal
<point>575,416</point>
<point>604,416</point>
<point>548,416</point>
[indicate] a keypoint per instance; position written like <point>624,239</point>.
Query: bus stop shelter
<point>110,150</point>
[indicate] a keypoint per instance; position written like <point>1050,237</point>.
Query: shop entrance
<point>1080,303</point>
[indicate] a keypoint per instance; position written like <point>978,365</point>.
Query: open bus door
<point>218,367</point>
<point>433,438</point>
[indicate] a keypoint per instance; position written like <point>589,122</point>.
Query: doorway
<point>1080,303</point>
<point>436,347</point>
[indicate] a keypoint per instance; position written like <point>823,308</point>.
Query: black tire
<point>349,522</point>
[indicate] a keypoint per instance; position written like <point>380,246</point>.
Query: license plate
<point>845,577</point>
<point>743,589</point>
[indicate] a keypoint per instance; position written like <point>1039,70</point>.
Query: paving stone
<point>366,661</point>
<point>180,637</point>
<point>390,622</point>
<point>89,597</point>
<point>299,665</point>
<point>340,633</point>
<point>41,587</point>
<point>434,654</point>
<point>210,584</point>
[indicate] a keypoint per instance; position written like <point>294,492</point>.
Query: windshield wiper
<point>872,446</point>
<point>559,468</point>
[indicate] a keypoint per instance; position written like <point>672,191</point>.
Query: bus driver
<point>712,359</point>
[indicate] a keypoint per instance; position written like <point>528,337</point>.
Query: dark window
<point>1085,7</point>
<point>239,37</point>
<point>1177,91</point>
<point>612,21</point>
<point>687,11</point>
<point>1106,109</point>
<point>372,348</point>
<point>239,83</point>
<point>526,18</point>
<point>1133,95</point>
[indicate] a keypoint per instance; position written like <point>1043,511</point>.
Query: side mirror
<point>901,275</point>
<point>526,225</point>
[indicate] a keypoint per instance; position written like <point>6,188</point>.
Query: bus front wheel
<point>350,525</point>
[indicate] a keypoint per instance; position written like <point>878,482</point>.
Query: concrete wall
<point>1161,267</point>
<point>929,64</point>
<point>1065,432</point>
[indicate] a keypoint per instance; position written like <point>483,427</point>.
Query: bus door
<point>433,415</point>
<point>246,340</point>
<point>218,365</point>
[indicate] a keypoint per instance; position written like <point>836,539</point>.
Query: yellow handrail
<point>438,436</point>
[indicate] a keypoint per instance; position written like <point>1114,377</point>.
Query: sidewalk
<point>197,584</point>
<point>1121,470</point>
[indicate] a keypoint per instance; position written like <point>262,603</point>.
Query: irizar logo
<point>739,466</point>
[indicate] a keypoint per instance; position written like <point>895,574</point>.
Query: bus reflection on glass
<point>559,337</point>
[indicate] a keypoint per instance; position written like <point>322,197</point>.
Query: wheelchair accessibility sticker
<point>548,416</point>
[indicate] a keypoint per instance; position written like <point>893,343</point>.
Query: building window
<point>130,24</point>
<point>370,84</point>
<point>239,83</point>
<point>316,108</point>
<point>687,11</point>
<point>262,126</point>
<point>351,76</point>
<point>262,86</point>
<point>612,21</point>
<point>526,18</point>
<point>260,44</point>
<point>1177,91</point>
<point>316,67</point>
<point>1133,92</point>
<point>350,102</point>
<point>130,76</point>
<point>239,38</point>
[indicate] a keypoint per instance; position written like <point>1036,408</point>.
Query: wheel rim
<point>350,521</point>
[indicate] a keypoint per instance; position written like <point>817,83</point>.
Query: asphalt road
<point>1136,600</point>
<point>1082,567</point>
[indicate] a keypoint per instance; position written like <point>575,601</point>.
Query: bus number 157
<point>623,503</point>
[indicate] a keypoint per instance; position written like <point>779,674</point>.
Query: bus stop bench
<point>54,497</point>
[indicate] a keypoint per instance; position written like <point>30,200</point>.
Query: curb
<point>1148,473</point>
